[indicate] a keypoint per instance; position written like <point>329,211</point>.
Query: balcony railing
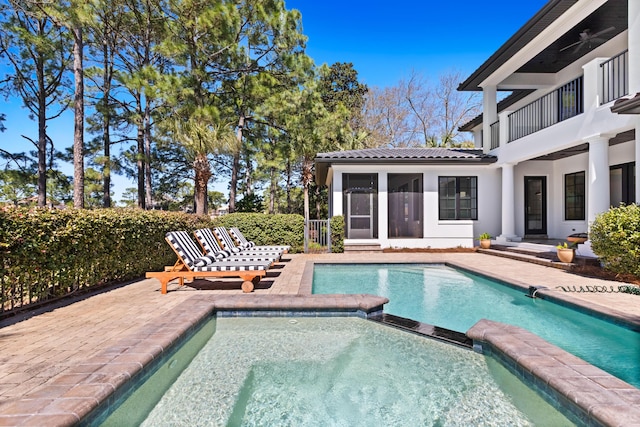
<point>495,134</point>
<point>615,77</point>
<point>561,104</point>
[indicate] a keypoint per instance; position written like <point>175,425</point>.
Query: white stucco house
<point>561,148</point>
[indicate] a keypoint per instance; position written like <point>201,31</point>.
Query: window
<point>458,197</point>
<point>405,201</point>
<point>622,184</point>
<point>574,196</point>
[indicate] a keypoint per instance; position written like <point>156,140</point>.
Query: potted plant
<point>485,240</point>
<point>578,238</point>
<point>565,252</point>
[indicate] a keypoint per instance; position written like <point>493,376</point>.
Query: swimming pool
<point>452,299</point>
<point>341,372</point>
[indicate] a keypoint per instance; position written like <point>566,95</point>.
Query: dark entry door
<point>535,205</point>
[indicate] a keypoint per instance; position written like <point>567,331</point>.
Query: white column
<point>383,207</point>
<point>508,205</point>
<point>598,196</point>
<point>504,127</point>
<point>634,49</point>
<point>477,138</point>
<point>592,83</point>
<point>337,195</point>
<point>489,114</point>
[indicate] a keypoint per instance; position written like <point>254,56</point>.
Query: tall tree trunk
<point>106,124</point>
<point>236,166</point>
<point>202,175</point>
<point>318,202</point>
<point>272,190</point>
<point>78,134</point>
<point>289,187</point>
<point>307,175</point>
<point>140,164</point>
<point>106,169</point>
<point>42,135</point>
<point>247,174</point>
<point>306,171</point>
<point>148,36</point>
<point>147,153</point>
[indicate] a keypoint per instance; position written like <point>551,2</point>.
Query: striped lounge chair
<point>228,244</point>
<point>244,243</point>
<point>192,263</point>
<point>211,247</point>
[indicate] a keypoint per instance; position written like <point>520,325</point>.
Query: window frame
<point>473,199</point>
<point>575,213</point>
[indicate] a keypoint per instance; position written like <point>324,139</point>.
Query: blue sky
<point>385,41</point>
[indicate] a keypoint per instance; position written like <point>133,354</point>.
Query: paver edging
<point>592,396</point>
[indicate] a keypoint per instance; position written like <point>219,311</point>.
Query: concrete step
<point>362,247</point>
<point>536,256</point>
<point>532,258</point>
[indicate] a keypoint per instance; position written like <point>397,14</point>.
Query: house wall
<point>557,226</point>
<point>437,233</point>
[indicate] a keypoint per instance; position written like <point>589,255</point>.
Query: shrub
<point>615,238</point>
<point>265,229</point>
<point>337,234</point>
<point>49,253</point>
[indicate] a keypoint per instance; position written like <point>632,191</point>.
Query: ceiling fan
<point>587,38</point>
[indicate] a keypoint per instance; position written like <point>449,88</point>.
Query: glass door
<point>360,198</point>
<point>535,205</point>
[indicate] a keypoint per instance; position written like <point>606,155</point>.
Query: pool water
<point>452,299</point>
<point>342,372</point>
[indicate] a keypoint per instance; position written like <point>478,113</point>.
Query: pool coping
<point>592,396</point>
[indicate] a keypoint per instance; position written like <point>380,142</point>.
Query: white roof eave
<point>581,10</point>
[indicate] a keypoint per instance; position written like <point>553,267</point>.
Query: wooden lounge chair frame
<point>181,271</point>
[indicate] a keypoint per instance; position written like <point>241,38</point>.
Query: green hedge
<point>263,229</point>
<point>615,238</point>
<point>50,253</point>
<point>337,234</point>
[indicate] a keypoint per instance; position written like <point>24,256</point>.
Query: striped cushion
<point>210,244</point>
<point>185,247</point>
<point>246,244</point>
<point>204,260</point>
<point>225,240</point>
<point>193,258</point>
<point>234,266</point>
<point>253,257</point>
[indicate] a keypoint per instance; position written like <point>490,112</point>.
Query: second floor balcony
<point>564,102</point>
<point>561,104</point>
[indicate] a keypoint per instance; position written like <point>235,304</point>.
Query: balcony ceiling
<point>612,17</point>
<point>629,135</point>
<point>609,20</point>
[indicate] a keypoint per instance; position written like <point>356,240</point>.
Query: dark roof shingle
<point>404,154</point>
<point>400,155</point>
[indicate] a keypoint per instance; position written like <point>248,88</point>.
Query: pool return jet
<point>533,290</point>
